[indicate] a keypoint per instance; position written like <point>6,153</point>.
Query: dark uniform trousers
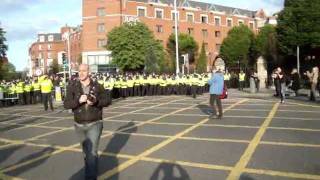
<point>47,98</point>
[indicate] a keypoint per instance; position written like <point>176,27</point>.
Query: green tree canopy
<point>299,25</point>
<point>202,61</point>
<point>187,44</point>
<point>132,45</point>
<point>3,50</point>
<point>267,45</point>
<point>8,71</point>
<point>237,45</point>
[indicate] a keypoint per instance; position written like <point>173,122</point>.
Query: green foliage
<point>54,67</point>
<point>299,25</point>
<point>202,61</point>
<point>187,44</point>
<point>132,45</point>
<point>267,45</point>
<point>3,50</point>
<point>8,71</point>
<point>238,45</point>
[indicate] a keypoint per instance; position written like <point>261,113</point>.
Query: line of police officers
<point>116,86</point>
<point>26,92</point>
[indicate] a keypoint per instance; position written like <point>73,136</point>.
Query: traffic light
<point>64,58</point>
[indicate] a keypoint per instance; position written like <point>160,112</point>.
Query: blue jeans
<point>89,135</point>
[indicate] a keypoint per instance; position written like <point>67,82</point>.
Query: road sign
<point>38,72</point>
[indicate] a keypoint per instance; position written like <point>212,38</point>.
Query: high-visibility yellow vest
<point>12,89</point>
<point>27,88</point>
<point>227,77</point>
<point>36,86</point>
<point>46,86</point>
<point>242,77</point>
<point>19,87</point>
<point>130,83</point>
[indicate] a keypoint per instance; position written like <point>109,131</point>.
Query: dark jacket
<point>84,113</point>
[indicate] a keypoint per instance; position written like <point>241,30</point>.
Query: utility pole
<point>176,35</point>
<point>298,59</point>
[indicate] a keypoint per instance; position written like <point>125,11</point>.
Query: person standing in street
<point>313,78</point>
<point>46,89</point>
<point>242,77</point>
<point>87,98</point>
<point>295,82</point>
<point>280,77</point>
<point>216,84</point>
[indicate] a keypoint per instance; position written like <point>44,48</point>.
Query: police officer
<point>46,89</point>
<point>242,77</point>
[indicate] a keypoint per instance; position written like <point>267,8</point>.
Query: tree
<point>237,45</point>
<point>54,67</point>
<point>187,44</point>
<point>267,46</point>
<point>130,46</point>
<point>299,25</point>
<point>202,61</point>
<point>3,50</point>
<point>154,58</point>
<point>8,71</point>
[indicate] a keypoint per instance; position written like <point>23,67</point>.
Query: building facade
<point>207,23</point>
<point>50,46</point>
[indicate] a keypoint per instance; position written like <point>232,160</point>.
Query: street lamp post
<point>176,36</point>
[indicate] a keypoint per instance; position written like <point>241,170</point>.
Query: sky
<point>24,19</point>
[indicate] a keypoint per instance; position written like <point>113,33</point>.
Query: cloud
<point>8,7</point>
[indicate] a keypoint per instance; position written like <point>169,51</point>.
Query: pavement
<point>169,138</point>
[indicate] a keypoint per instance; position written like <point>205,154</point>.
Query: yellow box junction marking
<point>245,158</point>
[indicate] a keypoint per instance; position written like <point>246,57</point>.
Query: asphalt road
<point>168,138</point>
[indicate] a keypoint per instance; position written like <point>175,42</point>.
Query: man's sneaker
<point>213,116</point>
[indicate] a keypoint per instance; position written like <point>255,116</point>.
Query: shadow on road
<point>168,171</point>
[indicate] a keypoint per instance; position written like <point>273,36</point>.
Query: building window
<point>49,46</point>
<point>101,12</point>
<point>218,47</point>
<point>159,28</point>
<point>251,24</point>
<point>204,33</point>
<point>50,38</point>
<point>102,43</point>
<point>101,28</point>
<point>229,22</point>
<point>49,55</point>
<point>190,31</point>
<point>217,33</point>
<point>190,17</point>
<point>173,15</point>
<point>40,47</point>
<point>41,38</point>
<point>204,19</point>
<point>240,22</point>
<point>159,13</point>
<point>217,21</point>
<point>173,29</point>
<point>141,11</point>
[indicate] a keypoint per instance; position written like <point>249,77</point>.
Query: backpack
<point>224,94</point>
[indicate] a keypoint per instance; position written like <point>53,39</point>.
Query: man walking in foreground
<point>87,99</point>
<point>216,88</point>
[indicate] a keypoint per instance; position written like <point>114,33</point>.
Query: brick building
<point>208,23</point>
<point>50,46</point>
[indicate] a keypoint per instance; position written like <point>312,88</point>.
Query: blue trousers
<point>89,135</point>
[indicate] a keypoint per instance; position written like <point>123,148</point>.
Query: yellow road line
<point>290,144</point>
<point>295,129</point>
<point>130,162</point>
<point>245,158</point>
<point>185,163</point>
<point>77,144</point>
<point>283,174</point>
